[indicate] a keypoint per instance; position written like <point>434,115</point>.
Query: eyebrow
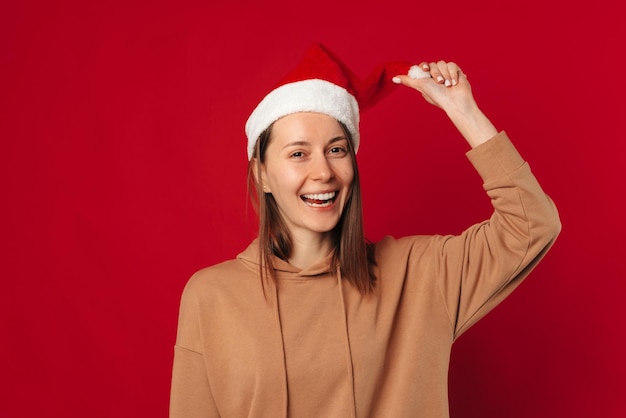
<point>304,143</point>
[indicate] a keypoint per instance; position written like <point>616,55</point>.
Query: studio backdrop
<point>123,171</point>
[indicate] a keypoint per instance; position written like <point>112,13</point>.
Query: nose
<point>321,169</point>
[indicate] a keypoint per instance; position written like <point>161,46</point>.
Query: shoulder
<point>226,280</point>
<point>225,268</point>
<point>415,246</point>
<point>406,243</point>
<point>228,277</point>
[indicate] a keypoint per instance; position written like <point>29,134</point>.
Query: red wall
<point>122,171</point>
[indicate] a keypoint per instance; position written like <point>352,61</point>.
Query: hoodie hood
<point>250,256</point>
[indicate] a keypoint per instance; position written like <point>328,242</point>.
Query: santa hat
<point>322,83</point>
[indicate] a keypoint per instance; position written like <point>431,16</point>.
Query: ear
<point>259,168</point>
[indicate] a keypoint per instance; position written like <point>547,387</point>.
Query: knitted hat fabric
<point>322,83</point>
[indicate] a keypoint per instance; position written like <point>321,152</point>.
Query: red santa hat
<point>322,83</point>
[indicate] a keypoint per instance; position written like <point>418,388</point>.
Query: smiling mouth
<point>319,200</point>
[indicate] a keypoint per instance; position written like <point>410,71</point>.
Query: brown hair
<point>353,253</point>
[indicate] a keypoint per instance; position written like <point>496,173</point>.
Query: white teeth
<point>320,196</point>
<point>319,205</point>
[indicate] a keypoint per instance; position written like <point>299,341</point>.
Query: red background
<point>122,170</point>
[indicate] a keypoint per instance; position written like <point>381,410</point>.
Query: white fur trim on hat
<point>312,95</point>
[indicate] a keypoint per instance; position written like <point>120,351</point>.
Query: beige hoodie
<point>316,347</point>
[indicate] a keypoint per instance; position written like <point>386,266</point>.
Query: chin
<point>323,229</point>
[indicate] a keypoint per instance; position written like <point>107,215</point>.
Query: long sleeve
<point>483,265</point>
<point>432,288</point>
<point>191,395</point>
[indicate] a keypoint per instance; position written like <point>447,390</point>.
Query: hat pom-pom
<point>416,72</point>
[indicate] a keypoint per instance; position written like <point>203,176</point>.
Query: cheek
<point>347,175</point>
<point>283,181</point>
<point>350,177</point>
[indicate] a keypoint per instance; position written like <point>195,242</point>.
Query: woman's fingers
<point>434,79</point>
<point>446,73</point>
<point>442,72</point>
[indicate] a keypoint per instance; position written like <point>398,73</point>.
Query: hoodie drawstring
<point>281,342</point>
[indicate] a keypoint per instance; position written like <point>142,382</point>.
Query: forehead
<point>306,126</point>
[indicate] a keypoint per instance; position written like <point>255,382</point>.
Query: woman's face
<point>308,170</point>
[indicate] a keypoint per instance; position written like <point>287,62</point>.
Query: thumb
<point>400,79</point>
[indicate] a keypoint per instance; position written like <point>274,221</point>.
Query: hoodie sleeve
<point>483,265</point>
<point>190,395</point>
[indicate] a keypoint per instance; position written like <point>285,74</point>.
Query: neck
<point>309,248</point>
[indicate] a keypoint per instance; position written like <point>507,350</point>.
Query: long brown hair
<point>353,253</point>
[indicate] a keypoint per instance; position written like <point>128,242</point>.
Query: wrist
<point>468,109</point>
<point>472,123</point>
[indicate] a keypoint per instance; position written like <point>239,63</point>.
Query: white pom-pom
<point>416,72</point>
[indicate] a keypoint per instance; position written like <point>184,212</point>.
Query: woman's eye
<point>337,150</point>
<point>297,154</point>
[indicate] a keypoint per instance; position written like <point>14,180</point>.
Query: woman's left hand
<point>447,87</point>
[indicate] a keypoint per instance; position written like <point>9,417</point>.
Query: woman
<point>313,321</point>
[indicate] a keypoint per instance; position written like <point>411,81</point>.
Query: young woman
<point>313,321</point>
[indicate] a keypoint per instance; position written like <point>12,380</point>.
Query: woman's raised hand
<point>445,85</point>
<point>442,84</point>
